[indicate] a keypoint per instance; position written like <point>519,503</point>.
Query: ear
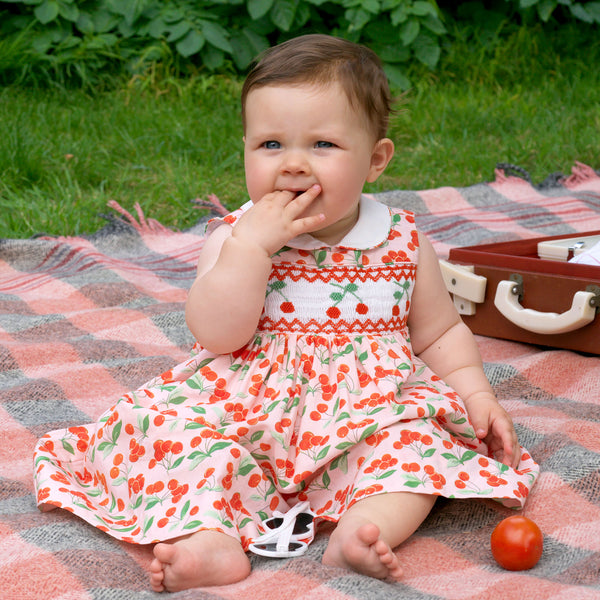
<point>380,157</point>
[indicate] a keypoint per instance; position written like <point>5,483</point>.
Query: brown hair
<point>320,60</point>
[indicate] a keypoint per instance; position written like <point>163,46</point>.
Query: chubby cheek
<point>257,182</point>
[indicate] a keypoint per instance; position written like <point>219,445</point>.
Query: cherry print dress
<point>326,403</point>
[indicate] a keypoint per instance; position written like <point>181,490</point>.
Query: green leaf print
<point>344,445</point>
<point>399,408</point>
<point>148,524</point>
<point>185,509</point>
<point>143,424</point>
<point>341,463</point>
<point>324,452</point>
<point>192,383</point>
<point>177,462</point>
<point>106,448</point>
<point>369,431</point>
<point>204,362</point>
<point>320,256</point>
<point>358,258</point>
<point>245,522</point>
<point>194,525</point>
<point>256,436</point>
<point>455,461</point>
<point>342,417</point>
<point>152,502</point>
<point>138,501</point>
<point>116,432</point>
<point>413,482</point>
<point>246,466</point>
<point>67,447</point>
<point>176,400</point>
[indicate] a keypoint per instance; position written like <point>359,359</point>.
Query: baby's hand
<point>494,426</point>
<point>276,218</point>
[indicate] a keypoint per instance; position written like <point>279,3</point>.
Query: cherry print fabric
<point>325,403</point>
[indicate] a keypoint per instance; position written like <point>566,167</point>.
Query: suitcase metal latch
<point>466,288</point>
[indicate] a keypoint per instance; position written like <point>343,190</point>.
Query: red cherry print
<point>287,307</point>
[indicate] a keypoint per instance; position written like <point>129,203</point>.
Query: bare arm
<point>226,299</point>
<point>441,339</point>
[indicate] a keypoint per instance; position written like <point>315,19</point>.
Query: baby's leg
<point>202,559</point>
<point>369,530</point>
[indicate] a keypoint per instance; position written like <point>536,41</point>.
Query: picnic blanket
<point>85,319</point>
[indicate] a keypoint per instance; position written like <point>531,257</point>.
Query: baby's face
<point>299,135</point>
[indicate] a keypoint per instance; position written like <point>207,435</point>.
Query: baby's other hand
<point>276,219</point>
<point>494,426</point>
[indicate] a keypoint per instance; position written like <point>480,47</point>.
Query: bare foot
<point>362,550</point>
<point>204,558</point>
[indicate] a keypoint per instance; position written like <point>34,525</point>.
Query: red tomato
<point>517,543</point>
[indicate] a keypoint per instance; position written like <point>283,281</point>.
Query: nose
<point>294,162</point>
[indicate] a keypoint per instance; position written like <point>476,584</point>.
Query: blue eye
<point>323,144</point>
<point>272,145</point>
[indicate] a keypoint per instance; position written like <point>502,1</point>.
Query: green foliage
<point>588,12</point>
<point>526,11</point>
<point>77,40</point>
<point>88,41</point>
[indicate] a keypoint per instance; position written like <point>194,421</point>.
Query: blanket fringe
<point>503,170</point>
<point>580,173</point>
<point>142,225</point>
<point>213,204</point>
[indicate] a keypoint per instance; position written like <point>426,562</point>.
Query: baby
<point>330,368</point>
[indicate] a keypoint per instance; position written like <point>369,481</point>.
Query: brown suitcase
<point>504,290</point>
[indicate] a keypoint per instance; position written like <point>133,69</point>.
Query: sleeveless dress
<point>326,403</point>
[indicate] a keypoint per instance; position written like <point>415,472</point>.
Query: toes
<point>368,534</point>
<point>396,572</point>
<point>156,566</point>
<point>165,553</point>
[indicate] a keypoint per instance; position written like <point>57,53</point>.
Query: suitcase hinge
<point>595,301</point>
<point>517,289</point>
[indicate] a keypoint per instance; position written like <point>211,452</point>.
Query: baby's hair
<point>320,60</point>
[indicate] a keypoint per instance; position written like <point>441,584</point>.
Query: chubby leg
<point>204,558</point>
<point>369,530</point>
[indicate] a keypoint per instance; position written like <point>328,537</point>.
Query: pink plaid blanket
<point>83,320</point>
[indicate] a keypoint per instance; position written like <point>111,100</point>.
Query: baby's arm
<point>226,299</point>
<point>441,339</point>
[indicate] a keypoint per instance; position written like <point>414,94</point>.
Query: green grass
<point>531,99</point>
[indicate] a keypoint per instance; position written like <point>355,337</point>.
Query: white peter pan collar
<point>370,231</point>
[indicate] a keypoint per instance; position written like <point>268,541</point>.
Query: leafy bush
<point>80,41</point>
<point>72,39</point>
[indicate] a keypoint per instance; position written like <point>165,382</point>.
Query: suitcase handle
<point>582,311</point>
